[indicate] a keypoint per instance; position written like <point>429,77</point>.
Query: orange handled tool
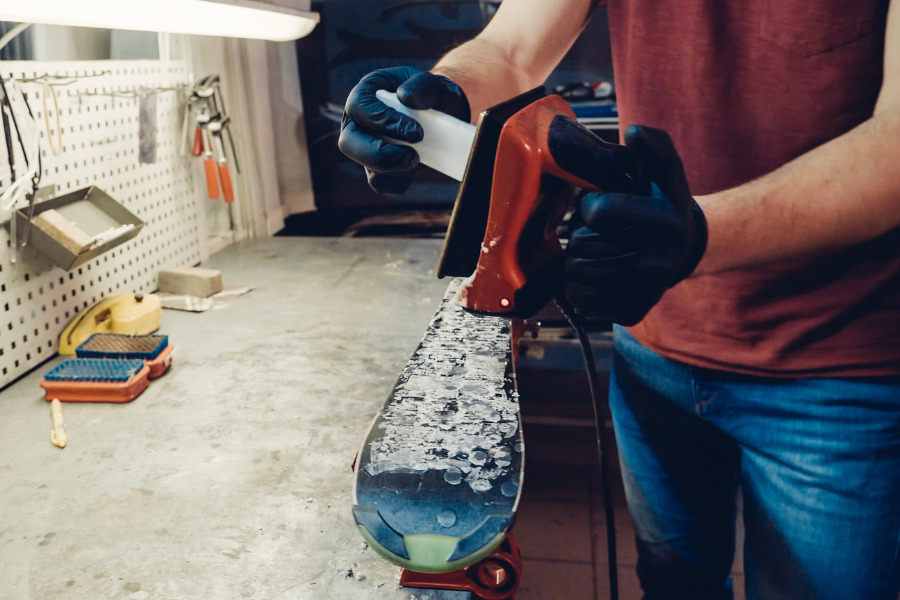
<point>197,148</point>
<point>215,128</point>
<point>225,176</point>
<point>209,163</point>
<point>96,380</point>
<point>212,183</point>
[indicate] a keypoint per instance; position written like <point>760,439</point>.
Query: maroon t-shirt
<point>744,87</point>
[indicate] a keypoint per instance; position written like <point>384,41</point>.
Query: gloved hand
<point>631,249</point>
<point>366,120</point>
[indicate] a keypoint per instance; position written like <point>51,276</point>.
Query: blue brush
<point>94,370</point>
<point>120,345</point>
<point>96,380</point>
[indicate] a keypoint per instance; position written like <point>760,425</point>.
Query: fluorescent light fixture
<point>225,18</point>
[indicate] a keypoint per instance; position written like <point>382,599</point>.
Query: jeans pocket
<point>810,27</point>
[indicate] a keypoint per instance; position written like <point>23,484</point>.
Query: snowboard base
<point>439,475</point>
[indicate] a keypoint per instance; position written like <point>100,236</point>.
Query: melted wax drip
<point>453,409</point>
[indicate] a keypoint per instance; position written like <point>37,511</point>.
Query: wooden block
<point>63,231</point>
<point>190,281</point>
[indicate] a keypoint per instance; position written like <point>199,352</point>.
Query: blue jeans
<point>817,462</point>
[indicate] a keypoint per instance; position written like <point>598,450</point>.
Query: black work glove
<point>631,248</point>
<point>389,167</point>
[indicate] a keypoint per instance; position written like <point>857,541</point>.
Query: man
<point>762,281</point>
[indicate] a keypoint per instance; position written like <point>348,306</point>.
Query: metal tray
<point>93,211</point>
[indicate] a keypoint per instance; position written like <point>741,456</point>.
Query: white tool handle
<point>58,434</point>
<point>447,142</point>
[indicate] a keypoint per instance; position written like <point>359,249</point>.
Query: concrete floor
<point>229,477</point>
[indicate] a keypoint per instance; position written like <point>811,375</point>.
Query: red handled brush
<point>96,380</point>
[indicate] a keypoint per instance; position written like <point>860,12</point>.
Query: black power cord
<point>603,449</point>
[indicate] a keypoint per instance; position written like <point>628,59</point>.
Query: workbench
<point>229,477</point>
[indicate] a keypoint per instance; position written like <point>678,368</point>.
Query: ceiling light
<point>224,18</point>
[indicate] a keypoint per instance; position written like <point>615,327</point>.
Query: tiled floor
<point>560,525</point>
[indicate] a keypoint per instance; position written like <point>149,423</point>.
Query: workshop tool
<point>96,380</point>
<point>197,146</point>
<point>58,433</point>
<point>154,350</point>
<point>216,128</point>
<point>439,474</point>
<point>208,89</point>
<point>528,160</point>
<point>209,162</point>
<point>212,138</point>
<point>137,314</point>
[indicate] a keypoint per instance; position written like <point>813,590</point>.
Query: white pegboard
<point>99,146</point>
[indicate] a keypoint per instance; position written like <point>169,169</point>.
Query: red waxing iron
<point>529,158</point>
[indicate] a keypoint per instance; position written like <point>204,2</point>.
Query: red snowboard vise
<point>495,577</point>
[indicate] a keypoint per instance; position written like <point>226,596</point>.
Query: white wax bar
<point>447,142</point>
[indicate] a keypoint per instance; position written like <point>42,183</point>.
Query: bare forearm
<point>485,74</point>
<point>517,50</point>
<point>840,194</point>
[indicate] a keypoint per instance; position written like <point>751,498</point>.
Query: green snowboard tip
<point>428,553</point>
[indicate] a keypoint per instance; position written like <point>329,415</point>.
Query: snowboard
<point>438,476</point>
